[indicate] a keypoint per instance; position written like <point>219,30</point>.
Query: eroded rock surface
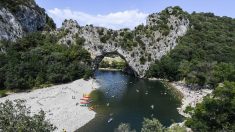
<point>139,47</point>
<point>19,17</point>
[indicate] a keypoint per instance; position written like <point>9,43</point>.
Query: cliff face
<point>18,17</point>
<point>139,47</point>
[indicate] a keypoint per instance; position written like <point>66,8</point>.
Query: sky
<point>118,14</point>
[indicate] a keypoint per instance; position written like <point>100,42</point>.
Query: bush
<point>124,127</point>
<point>15,116</point>
<point>152,126</point>
<point>142,60</point>
<point>216,112</point>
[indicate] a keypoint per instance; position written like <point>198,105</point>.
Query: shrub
<point>152,126</point>
<point>15,116</point>
<point>216,112</point>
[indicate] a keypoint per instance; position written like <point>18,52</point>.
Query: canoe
<point>110,119</point>
<point>85,99</point>
<point>84,105</point>
<point>84,102</point>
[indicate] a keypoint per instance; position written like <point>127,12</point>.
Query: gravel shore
<point>190,97</point>
<point>61,103</point>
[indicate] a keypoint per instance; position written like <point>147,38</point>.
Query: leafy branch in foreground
<point>151,125</point>
<point>15,116</point>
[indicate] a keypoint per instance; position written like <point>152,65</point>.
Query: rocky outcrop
<point>18,17</point>
<point>139,47</point>
<point>10,28</point>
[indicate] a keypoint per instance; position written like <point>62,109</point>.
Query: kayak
<point>84,105</point>
<point>110,119</point>
<point>84,102</point>
<point>85,99</point>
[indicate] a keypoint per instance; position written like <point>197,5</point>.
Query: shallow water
<point>128,99</point>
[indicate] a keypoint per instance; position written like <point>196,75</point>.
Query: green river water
<point>127,99</point>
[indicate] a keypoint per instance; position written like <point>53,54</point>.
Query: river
<point>127,99</point>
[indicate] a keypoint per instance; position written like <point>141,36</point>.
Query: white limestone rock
<point>155,44</point>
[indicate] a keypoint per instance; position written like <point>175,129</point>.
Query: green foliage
<point>105,38</point>
<point>142,60</point>
<point>152,126</point>
<point>124,127</point>
<point>50,24</point>
<point>15,116</point>
<point>13,5</point>
<point>176,128</point>
<point>101,31</point>
<point>80,40</point>
<point>3,93</point>
<point>127,41</point>
<point>216,112</point>
<point>114,64</point>
<point>203,54</point>
<point>36,59</point>
<point>166,68</point>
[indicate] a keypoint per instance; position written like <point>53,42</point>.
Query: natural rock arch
<point>98,59</point>
<point>140,47</point>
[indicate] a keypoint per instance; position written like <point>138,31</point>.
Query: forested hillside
<point>36,59</point>
<point>204,56</point>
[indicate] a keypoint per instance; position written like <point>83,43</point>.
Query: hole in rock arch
<point>113,61</point>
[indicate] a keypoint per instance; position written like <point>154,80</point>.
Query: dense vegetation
<point>204,56</point>
<point>216,112</point>
<point>150,125</point>
<point>113,64</point>
<point>36,59</point>
<point>15,117</point>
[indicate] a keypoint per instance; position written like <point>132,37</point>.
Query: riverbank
<point>60,103</point>
<point>109,69</point>
<point>190,96</point>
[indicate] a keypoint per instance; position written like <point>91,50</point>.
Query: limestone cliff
<point>18,17</point>
<point>139,47</point>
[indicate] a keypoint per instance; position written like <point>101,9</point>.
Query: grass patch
<point>3,93</point>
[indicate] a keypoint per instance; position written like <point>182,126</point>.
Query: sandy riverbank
<point>190,97</point>
<point>60,103</point>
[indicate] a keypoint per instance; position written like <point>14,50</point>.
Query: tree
<point>15,116</point>
<point>176,128</point>
<point>216,112</point>
<point>205,55</point>
<point>124,127</point>
<point>152,126</point>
